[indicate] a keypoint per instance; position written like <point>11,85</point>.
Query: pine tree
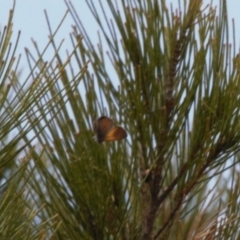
<point>170,79</point>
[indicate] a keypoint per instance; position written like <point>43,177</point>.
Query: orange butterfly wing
<point>101,127</point>
<point>115,134</point>
<point>104,130</point>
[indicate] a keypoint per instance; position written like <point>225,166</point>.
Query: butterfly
<point>105,131</point>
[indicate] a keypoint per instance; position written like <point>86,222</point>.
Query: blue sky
<point>30,19</point>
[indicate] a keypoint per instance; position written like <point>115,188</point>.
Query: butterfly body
<point>106,132</point>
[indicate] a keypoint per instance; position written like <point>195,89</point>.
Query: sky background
<point>29,17</point>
